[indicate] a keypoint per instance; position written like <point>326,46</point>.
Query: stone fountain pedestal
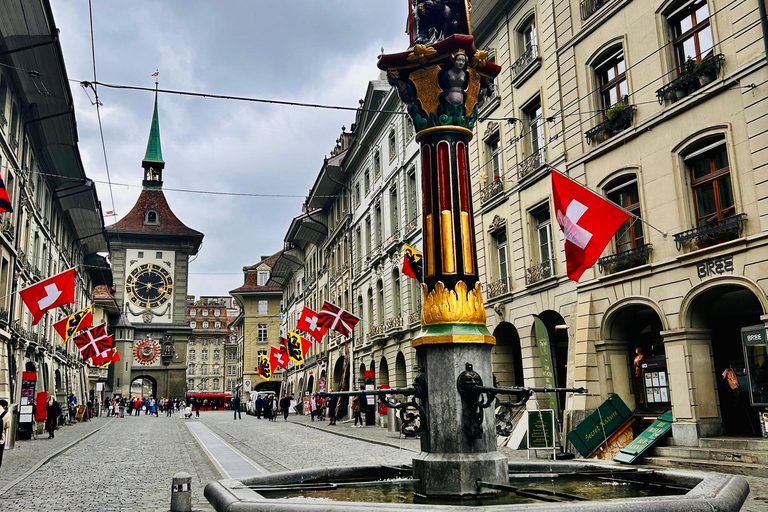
<point>451,462</point>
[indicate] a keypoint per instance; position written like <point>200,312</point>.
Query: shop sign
<point>715,266</point>
<point>541,430</point>
<point>755,342</point>
<point>646,439</point>
<point>599,426</point>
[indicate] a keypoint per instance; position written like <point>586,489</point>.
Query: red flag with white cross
<point>51,293</point>
<point>588,222</point>
<point>278,358</point>
<point>309,323</point>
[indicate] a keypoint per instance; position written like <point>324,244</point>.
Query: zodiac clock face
<point>149,286</point>
<point>146,351</point>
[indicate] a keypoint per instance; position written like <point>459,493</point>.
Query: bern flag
<point>333,317</point>
<point>297,347</point>
<point>309,322</point>
<point>588,222</point>
<point>48,294</point>
<point>74,323</point>
<point>265,369</point>
<point>412,264</point>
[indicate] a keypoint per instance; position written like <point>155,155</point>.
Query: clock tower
<point>150,250</point>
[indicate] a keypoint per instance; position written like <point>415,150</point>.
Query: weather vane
<point>156,74</point>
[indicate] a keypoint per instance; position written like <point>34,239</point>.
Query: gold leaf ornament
<point>421,53</point>
<point>480,59</point>
<point>444,306</point>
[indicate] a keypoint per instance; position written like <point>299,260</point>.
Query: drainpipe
<point>764,23</point>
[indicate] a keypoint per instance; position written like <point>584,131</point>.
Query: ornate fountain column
<point>441,84</point>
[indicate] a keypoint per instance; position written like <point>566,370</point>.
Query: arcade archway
<point>143,386</point>
<point>507,356</point>
<point>550,334</point>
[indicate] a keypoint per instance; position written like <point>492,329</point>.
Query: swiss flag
<point>278,358</point>
<point>588,222</point>
<point>309,323</point>
<point>49,294</point>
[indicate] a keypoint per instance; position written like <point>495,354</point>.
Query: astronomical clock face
<point>149,285</point>
<point>146,352</point>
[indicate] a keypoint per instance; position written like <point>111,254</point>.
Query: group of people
<point>269,407</point>
<point>118,406</point>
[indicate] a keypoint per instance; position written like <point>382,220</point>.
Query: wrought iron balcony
<point>619,118</point>
<point>374,255</point>
<point>499,287</point>
<point>7,228</point>
<point>14,143</point>
<point>625,259</point>
<point>694,77</point>
<point>393,239</point>
<point>526,59</point>
<point>376,333</point>
<point>590,7</point>
<point>539,272</point>
<point>490,191</point>
<point>531,163</point>
<point>414,318</point>
<point>411,226</point>
<point>713,233</point>
<point>392,325</point>
<point>3,120</point>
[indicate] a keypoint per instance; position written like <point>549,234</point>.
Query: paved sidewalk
<point>26,454</point>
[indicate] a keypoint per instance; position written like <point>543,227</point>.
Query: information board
<point>27,408</point>
<point>646,439</point>
<point>541,430</point>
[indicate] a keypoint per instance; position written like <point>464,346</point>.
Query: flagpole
<point>636,217</point>
<point>47,278</point>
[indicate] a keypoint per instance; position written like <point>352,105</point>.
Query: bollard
<point>181,492</point>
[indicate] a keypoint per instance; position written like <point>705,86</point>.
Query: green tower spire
<point>154,153</point>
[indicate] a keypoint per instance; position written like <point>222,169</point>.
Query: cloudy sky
<point>318,51</point>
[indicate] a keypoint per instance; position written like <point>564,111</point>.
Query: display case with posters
<point>655,382</point>
<point>755,343</point>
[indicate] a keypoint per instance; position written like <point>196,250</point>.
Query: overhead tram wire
<point>98,104</point>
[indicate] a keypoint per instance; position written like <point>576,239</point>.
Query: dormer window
<point>151,218</point>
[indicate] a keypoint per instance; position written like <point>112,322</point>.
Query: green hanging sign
<point>645,440</point>
<point>545,357</point>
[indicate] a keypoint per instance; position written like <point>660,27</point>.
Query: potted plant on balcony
<point>703,73</point>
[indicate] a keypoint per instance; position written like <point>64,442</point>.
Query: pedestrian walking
<point>333,403</point>
<point>312,407</point>
<point>89,408</point>
<point>285,406</point>
<point>197,408</point>
<point>236,403</point>
<point>259,407</point>
<point>52,413</point>
<point>267,408</point>
<point>5,423</point>
<point>122,407</point>
<point>357,411</point>
<point>274,408</point>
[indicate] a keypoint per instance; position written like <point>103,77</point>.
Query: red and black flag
<point>94,343</point>
<point>333,317</point>
<point>5,199</point>
<point>412,264</point>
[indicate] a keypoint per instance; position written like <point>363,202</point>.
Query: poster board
<point>41,413</point>
<point>80,412</point>
<point>599,426</point>
<point>307,406</point>
<point>541,430</point>
<point>646,439</point>
<point>26,408</point>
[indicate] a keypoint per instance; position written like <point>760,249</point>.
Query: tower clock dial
<point>149,285</point>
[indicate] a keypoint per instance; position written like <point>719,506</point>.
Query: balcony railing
<point>393,239</point>
<point>624,260</point>
<point>499,287</point>
<point>713,233</point>
<point>590,7</point>
<point>490,191</point>
<point>14,143</point>
<point>7,228</point>
<point>374,254</point>
<point>393,324</point>
<point>376,333</point>
<point>531,163</point>
<point>694,77</point>
<point>411,226</point>
<point>526,59</point>
<point>414,318</point>
<point>539,272</point>
<point>3,120</point>
<point>619,118</point>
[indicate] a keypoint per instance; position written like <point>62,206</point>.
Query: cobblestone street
<point>127,464</point>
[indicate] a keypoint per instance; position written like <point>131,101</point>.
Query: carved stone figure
<point>438,19</point>
<point>456,80</point>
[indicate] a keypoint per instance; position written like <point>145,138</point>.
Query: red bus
<point>210,401</point>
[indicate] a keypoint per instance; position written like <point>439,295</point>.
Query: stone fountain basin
<point>711,491</point>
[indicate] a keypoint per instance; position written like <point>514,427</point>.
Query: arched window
<point>151,218</point>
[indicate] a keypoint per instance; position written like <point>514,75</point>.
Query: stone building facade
<point>57,221</point>
<point>208,347</point>
<point>657,106</point>
<point>257,326</point>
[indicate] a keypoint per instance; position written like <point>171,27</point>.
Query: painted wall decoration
<point>146,352</point>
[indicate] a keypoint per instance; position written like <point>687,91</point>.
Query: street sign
<point>646,439</point>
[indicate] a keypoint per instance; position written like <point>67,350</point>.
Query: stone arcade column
<point>441,85</point>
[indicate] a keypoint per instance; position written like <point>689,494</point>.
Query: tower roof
<point>154,152</point>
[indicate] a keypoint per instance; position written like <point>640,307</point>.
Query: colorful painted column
<point>442,84</point>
